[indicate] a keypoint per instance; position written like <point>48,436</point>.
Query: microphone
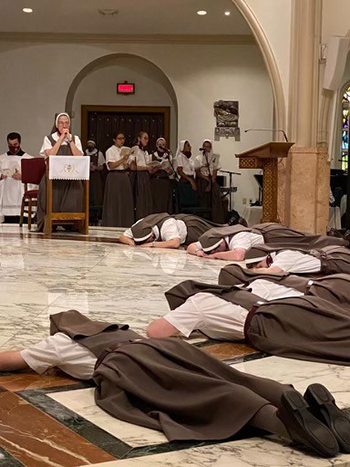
<point>268,129</point>
<point>202,149</point>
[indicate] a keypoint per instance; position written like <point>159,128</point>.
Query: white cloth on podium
<point>69,168</point>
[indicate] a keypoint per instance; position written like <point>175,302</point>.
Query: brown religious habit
<point>334,259</point>
<point>167,384</point>
<point>195,225</point>
<point>307,328</point>
<point>273,233</point>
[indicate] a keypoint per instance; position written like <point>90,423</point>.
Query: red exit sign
<point>126,88</point>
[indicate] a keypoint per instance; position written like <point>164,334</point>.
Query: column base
<point>303,189</point>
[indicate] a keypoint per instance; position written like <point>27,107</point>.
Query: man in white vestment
<point>11,186</point>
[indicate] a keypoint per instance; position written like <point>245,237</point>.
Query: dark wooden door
<point>100,124</point>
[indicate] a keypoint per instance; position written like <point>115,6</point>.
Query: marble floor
<point>52,420</point>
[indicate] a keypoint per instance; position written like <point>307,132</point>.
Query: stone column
<point>304,176</point>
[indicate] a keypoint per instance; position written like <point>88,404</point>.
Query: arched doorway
<point>95,88</point>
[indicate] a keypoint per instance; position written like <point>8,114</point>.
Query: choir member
<point>118,206</point>
<point>141,182</point>
<point>11,186</point>
<point>67,195</point>
<point>97,162</point>
<point>161,181</point>
<point>207,166</point>
<point>184,164</point>
<point>206,399</point>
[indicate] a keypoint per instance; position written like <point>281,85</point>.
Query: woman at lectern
<point>67,195</point>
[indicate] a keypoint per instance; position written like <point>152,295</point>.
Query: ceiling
<point>139,17</point>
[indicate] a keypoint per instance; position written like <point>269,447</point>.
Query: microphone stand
<point>172,166</point>
<point>230,173</point>
<point>210,184</point>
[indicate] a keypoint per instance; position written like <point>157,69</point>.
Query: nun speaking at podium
<point>67,195</point>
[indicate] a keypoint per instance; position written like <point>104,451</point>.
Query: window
<point>345,129</point>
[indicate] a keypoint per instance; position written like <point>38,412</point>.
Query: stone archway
<point>101,61</point>
<point>270,61</point>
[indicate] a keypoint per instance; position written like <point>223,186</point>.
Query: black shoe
<point>303,427</point>
<point>323,407</point>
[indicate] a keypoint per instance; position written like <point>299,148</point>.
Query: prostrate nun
<point>141,181</point>
<point>118,205</point>
<point>67,195</point>
<point>11,186</point>
<point>161,181</point>
<point>207,166</point>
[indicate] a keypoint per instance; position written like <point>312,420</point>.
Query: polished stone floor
<point>52,420</point>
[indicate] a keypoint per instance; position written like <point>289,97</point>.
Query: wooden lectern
<point>266,157</point>
<point>67,168</point>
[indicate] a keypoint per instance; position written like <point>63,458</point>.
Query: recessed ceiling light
<point>27,10</point>
<point>227,13</point>
<point>201,13</point>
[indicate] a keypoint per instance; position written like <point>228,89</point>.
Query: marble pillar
<point>304,177</point>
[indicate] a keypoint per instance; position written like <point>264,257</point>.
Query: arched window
<point>345,129</point>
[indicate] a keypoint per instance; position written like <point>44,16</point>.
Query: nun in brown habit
<point>273,234</point>
<point>67,195</point>
<point>161,183</point>
<point>171,386</point>
<point>313,327</point>
<point>331,259</point>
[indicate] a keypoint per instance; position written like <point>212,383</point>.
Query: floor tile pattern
<point>52,420</point>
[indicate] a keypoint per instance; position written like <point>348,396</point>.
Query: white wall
<point>275,18</point>
<point>35,79</point>
<point>336,14</point>
<point>99,88</point>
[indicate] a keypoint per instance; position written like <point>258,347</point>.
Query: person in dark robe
<point>118,205</point>
<point>207,166</point>
<point>162,173</point>
<point>311,324</point>
<point>165,231</point>
<point>97,162</point>
<point>187,186</point>
<point>11,186</point>
<point>231,243</point>
<point>330,259</point>
<point>171,386</point>
<point>140,177</point>
<point>67,195</point>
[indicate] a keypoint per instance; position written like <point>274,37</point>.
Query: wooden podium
<point>266,157</point>
<point>67,168</point>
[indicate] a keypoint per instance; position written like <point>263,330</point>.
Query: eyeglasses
<point>121,137</point>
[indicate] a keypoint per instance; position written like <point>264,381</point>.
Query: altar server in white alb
<point>11,186</point>
<point>67,194</point>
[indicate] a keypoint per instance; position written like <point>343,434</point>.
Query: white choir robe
<point>11,190</point>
